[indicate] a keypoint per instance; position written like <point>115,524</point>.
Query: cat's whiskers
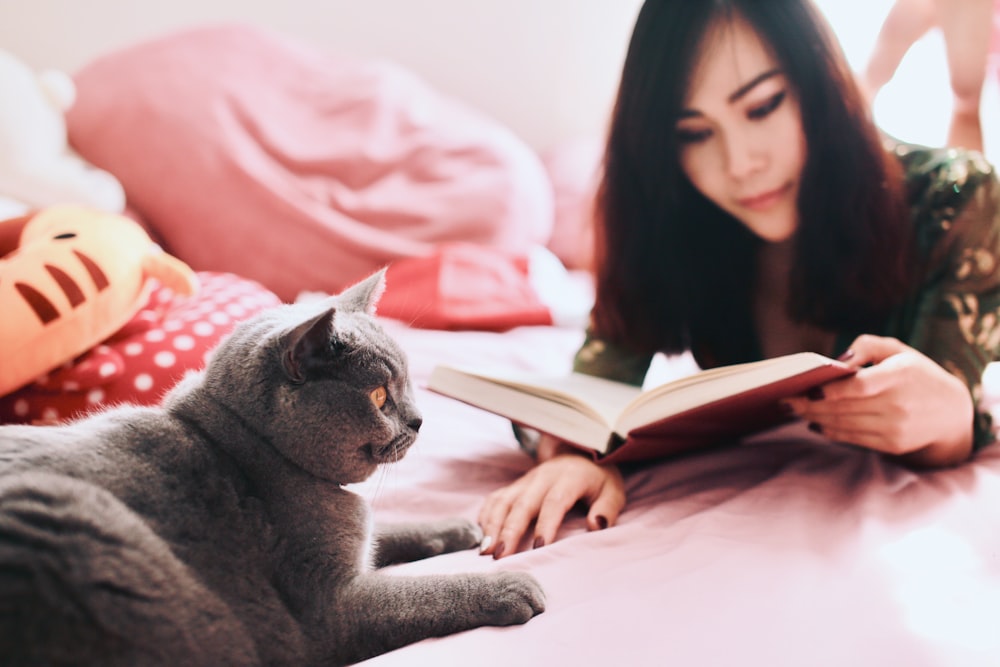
<point>383,473</point>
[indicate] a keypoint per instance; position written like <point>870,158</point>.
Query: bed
<point>781,550</point>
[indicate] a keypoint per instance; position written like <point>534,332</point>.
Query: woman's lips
<point>765,200</point>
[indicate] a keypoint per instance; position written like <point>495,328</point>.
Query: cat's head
<point>322,383</point>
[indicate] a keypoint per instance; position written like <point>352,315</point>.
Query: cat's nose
<point>415,423</point>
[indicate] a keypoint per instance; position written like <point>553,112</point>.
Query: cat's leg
<point>405,542</point>
<point>378,612</point>
<point>83,580</point>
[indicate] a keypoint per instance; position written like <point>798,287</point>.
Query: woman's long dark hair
<point>674,271</point>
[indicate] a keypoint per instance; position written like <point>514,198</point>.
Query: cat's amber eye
<point>378,396</point>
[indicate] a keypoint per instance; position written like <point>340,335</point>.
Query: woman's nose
<point>743,157</point>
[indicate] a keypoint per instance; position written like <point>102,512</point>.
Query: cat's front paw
<point>401,543</point>
<point>514,598</point>
<point>455,534</point>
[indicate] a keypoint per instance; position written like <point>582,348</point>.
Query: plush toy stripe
<point>100,280</point>
<point>71,276</point>
<point>43,308</point>
<point>69,287</point>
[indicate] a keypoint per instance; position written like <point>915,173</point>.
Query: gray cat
<point>215,530</point>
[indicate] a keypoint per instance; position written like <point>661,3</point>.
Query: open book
<point>620,422</point>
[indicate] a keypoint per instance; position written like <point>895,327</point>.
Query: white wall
<point>546,68</point>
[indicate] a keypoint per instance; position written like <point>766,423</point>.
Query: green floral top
<point>953,317</point>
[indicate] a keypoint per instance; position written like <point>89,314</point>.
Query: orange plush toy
<point>70,276</point>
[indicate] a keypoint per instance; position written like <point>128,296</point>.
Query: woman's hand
<point>900,402</point>
<point>545,494</point>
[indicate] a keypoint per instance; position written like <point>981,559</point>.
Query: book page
<point>554,404</point>
<point>604,400</point>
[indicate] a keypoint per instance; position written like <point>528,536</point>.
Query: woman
<point>748,209</point>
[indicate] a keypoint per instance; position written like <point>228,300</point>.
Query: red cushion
<point>463,286</point>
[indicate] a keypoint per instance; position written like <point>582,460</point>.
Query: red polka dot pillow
<point>169,336</point>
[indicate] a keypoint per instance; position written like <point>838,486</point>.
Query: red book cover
<point>716,422</point>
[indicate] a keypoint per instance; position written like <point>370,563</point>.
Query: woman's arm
<point>900,402</point>
<point>917,394</point>
<point>958,317</point>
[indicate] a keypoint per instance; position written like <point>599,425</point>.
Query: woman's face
<point>740,132</point>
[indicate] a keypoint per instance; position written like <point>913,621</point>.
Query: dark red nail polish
<point>846,356</point>
<point>498,552</point>
<point>602,522</point>
<point>815,394</point>
<point>815,428</point>
<point>538,544</point>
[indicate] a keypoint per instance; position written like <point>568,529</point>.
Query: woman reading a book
<point>749,208</point>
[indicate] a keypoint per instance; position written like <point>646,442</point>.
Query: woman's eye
<point>692,136</point>
<point>379,396</point>
<point>767,107</point>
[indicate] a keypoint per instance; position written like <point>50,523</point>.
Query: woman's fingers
<point>558,501</point>
<point>610,502</point>
<point>506,514</point>
<point>544,495</point>
<point>868,349</point>
<point>899,402</point>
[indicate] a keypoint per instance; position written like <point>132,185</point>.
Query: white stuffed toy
<point>38,168</point>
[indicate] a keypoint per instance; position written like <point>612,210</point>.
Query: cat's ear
<point>363,296</point>
<point>307,345</point>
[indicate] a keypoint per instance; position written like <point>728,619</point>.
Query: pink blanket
<point>785,550</point>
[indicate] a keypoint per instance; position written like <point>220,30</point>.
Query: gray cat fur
<point>216,531</point>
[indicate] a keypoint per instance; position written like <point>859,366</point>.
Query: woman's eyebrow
<point>752,83</point>
<point>738,93</point>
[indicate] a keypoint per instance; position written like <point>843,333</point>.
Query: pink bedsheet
<point>785,550</point>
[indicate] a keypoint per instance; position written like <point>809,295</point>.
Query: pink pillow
<point>250,153</point>
<point>574,168</point>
